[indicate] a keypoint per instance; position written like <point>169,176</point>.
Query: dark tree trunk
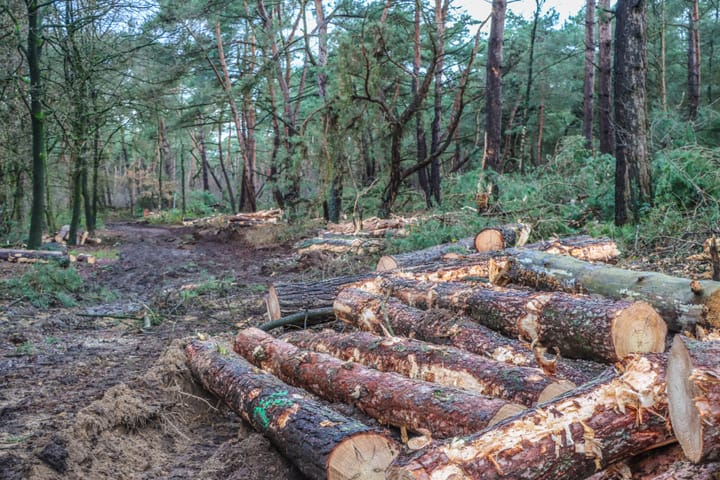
<point>588,105</point>
<point>228,183</point>
<point>493,88</point>
<point>440,13</point>
<point>633,185</point>
<point>607,144</point>
<point>37,121</point>
<point>693,60</point>
<point>420,139</point>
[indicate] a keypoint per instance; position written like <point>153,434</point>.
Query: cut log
<point>443,365</point>
<point>84,258</point>
<point>427,255</point>
<point>681,305</point>
<point>381,315</point>
<point>580,326</point>
<point>319,441</point>
<point>356,245</point>
<point>492,239</point>
<point>283,299</point>
<point>602,422</point>
<point>390,398</point>
<point>33,256</point>
<point>694,397</point>
<point>582,247</point>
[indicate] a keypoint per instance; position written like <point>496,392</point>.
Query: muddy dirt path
<point>87,392</point>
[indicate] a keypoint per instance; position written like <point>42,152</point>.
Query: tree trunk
<point>443,365</point>
<point>605,133</point>
<point>221,161</point>
<point>390,398</point>
<point>493,88</point>
<point>427,255</point>
<point>37,122</point>
<point>579,326</point>
<point>589,82</point>
<point>694,60</point>
<point>503,236</point>
<point>694,397</point>
<point>420,139</point>
<point>441,8</point>
<point>321,442</point>
<point>633,179</point>
<point>605,421</point>
<point>681,302</point>
<point>384,315</point>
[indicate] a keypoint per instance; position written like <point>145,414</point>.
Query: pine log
<point>580,326</point>
<point>33,256</point>
<point>694,397</point>
<point>492,239</point>
<point>667,463</point>
<point>346,244</point>
<point>443,365</point>
<point>283,299</point>
<point>390,398</point>
<point>382,315</point>
<point>681,305</point>
<point>427,255</point>
<point>602,422</point>
<point>319,441</point>
<point>582,247</point>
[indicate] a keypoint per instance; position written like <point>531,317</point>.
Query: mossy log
<point>580,326</point>
<point>681,302</point>
<point>383,315</point>
<point>614,417</point>
<point>321,442</point>
<point>694,397</point>
<point>390,398</point>
<point>443,365</point>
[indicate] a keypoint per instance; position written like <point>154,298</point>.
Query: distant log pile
<point>33,256</point>
<point>497,382</point>
<point>243,219</point>
<point>373,227</point>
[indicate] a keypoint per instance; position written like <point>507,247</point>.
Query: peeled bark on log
<point>283,299</point>
<point>442,365</point>
<point>319,441</point>
<point>33,256</point>
<point>694,397</point>
<point>579,326</point>
<point>427,255</point>
<point>382,315</point>
<point>492,239</point>
<point>390,398</point>
<point>582,247</point>
<point>570,437</point>
<point>682,302</point>
<point>356,245</point>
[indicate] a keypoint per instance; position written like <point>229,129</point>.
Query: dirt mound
<point>139,430</point>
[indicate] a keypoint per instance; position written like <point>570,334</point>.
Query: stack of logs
<point>525,363</point>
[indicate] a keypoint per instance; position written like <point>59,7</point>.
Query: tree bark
<point>605,421</point>
<point>694,397</point>
<point>33,256</point>
<point>321,442</point>
<point>694,60</point>
<point>390,398</point>
<point>382,315</point>
<point>579,326</point>
<point>633,178</point>
<point>419,257</point>
<point>447,366</point>
<point>589,81</point>
<point>336,244</point>
<point>420,138</point>
<point>681,302</point>
<point>605,132</point>
<point>493,87</point>
<point>503,236</point>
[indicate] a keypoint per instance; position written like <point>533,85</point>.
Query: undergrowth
<point>50,285</point>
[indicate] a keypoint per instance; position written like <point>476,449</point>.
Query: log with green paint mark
<point>322,443</point>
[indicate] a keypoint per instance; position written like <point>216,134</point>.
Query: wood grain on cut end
<point>712,304</point>
<point>639,329</point>
<point>363,456</point>
<point>555,390</point>
<point>694,397</point>
<point>489,240</point>
<point>507,411</point>
<point>386,263</point>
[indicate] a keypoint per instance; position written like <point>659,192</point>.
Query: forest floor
<point>83,395</point>
<point>86,392</point>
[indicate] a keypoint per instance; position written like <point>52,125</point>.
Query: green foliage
<point>201,203</point>
<point>50,285</point>
<point>209,285</point>
<point>688,177</point>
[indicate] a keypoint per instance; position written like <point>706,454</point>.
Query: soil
<point>89,392</point>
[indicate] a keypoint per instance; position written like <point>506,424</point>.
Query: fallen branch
<point>304,318</point>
